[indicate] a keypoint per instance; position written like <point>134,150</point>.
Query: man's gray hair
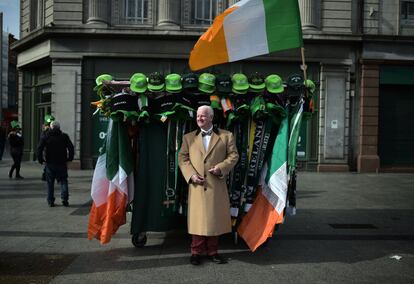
<point>208,108</point>
<point>55,125</point>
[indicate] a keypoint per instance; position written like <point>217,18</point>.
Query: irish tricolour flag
<point>112,184</point>
<point>267,209</point>
<point>249,28</point>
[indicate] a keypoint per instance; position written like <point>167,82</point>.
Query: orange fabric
<point>226,106</point>
<point>259,222</point>
<point>214,98</point>
<point>105,220</point>
<point>211,48</point>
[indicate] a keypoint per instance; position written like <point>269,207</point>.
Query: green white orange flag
<point>267,209</point>
<point>112,184</point>
<point>249,28</point>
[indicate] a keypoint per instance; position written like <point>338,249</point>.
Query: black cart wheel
<point>139,240</point>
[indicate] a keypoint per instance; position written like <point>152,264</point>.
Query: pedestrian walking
<point>206,157</point>
<point>55,150</point>
<point>16,141</point>
<point>45,129</point>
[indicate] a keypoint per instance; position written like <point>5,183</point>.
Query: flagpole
<point>303,66</point>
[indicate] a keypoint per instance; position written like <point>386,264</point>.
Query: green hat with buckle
<point>240,83</point>
<point>49,118</point>
<point>256,82</point>
<point>138,83</point>
<point>15,124</point>
<point>156,82</point>
<point>100,79</point>
<point>207,83</point>
<point>274,84</point>
<point>173,83</point>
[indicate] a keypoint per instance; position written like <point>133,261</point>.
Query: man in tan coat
<point>206,157</point>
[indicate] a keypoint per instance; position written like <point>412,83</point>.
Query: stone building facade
<point>354,49</point>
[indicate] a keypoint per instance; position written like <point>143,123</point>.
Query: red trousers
<point>204,244</point>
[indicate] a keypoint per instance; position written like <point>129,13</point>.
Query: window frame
<point>36,14</point>
<point>189,13</point>
<point>405,18</point>
<point>200,19</point>
<point>143,18</point>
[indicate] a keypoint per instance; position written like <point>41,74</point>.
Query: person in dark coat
<point>55,150</point>
<point>45,129</point>
<point>16,148</point>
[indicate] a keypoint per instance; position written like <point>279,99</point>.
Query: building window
<point>407,12</point>
<point>36,14</point>
<point>203,12</point>
<point>136,12</point>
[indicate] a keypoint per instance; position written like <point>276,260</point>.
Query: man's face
<point>204,119</point>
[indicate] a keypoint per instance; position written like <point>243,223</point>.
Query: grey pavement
<point>349,228</point>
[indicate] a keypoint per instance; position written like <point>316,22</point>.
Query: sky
<point>11,20</point>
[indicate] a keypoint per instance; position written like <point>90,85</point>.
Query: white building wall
<point>66,98</point>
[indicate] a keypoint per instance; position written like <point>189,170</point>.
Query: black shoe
<point>51,204</point>
<point>195,259</point>
<point>19,177</point>
<point>65,203</point>
<point>216,258</point>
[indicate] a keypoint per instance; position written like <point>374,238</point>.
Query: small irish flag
<point>249,28</point>
<point>112,184</point>
<point>267,209</point>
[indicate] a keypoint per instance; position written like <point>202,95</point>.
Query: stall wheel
<point>139,240</point>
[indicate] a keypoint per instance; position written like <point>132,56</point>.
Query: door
<point>395,126</point>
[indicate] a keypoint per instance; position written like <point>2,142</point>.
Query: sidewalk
<point>349,228</point>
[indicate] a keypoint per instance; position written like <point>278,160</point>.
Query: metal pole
<point>1,66</point>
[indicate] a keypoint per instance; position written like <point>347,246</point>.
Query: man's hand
<point>215,171</point>
<point>197,179</point>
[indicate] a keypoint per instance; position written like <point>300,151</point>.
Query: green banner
<point>99,128</point>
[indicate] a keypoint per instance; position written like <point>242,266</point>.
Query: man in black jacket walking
<point>16,148</point>
<point>58,151</point>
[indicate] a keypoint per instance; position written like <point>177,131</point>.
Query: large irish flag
<point>112,184</point>
<point>267,209</point>
<point>246,29</point>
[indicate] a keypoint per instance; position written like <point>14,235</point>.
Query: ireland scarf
<point>112,184</point>
<point>267,209</point>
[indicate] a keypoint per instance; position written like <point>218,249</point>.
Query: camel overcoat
<point>208,205</point>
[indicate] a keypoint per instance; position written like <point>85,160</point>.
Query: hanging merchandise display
<point>139,85</point>
<point>158,110</point>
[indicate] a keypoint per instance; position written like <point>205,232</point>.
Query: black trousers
<point>17,160</point>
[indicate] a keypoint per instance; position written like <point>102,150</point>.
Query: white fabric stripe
<point>276,189</point>
<point>245,31</point>
<point>224,105</point>
<point>239,4</point>
<point>120,181</point>
<point>247,207</point>
<point>298,114</point>
<point>131,185</point>
<point>100,184</point>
